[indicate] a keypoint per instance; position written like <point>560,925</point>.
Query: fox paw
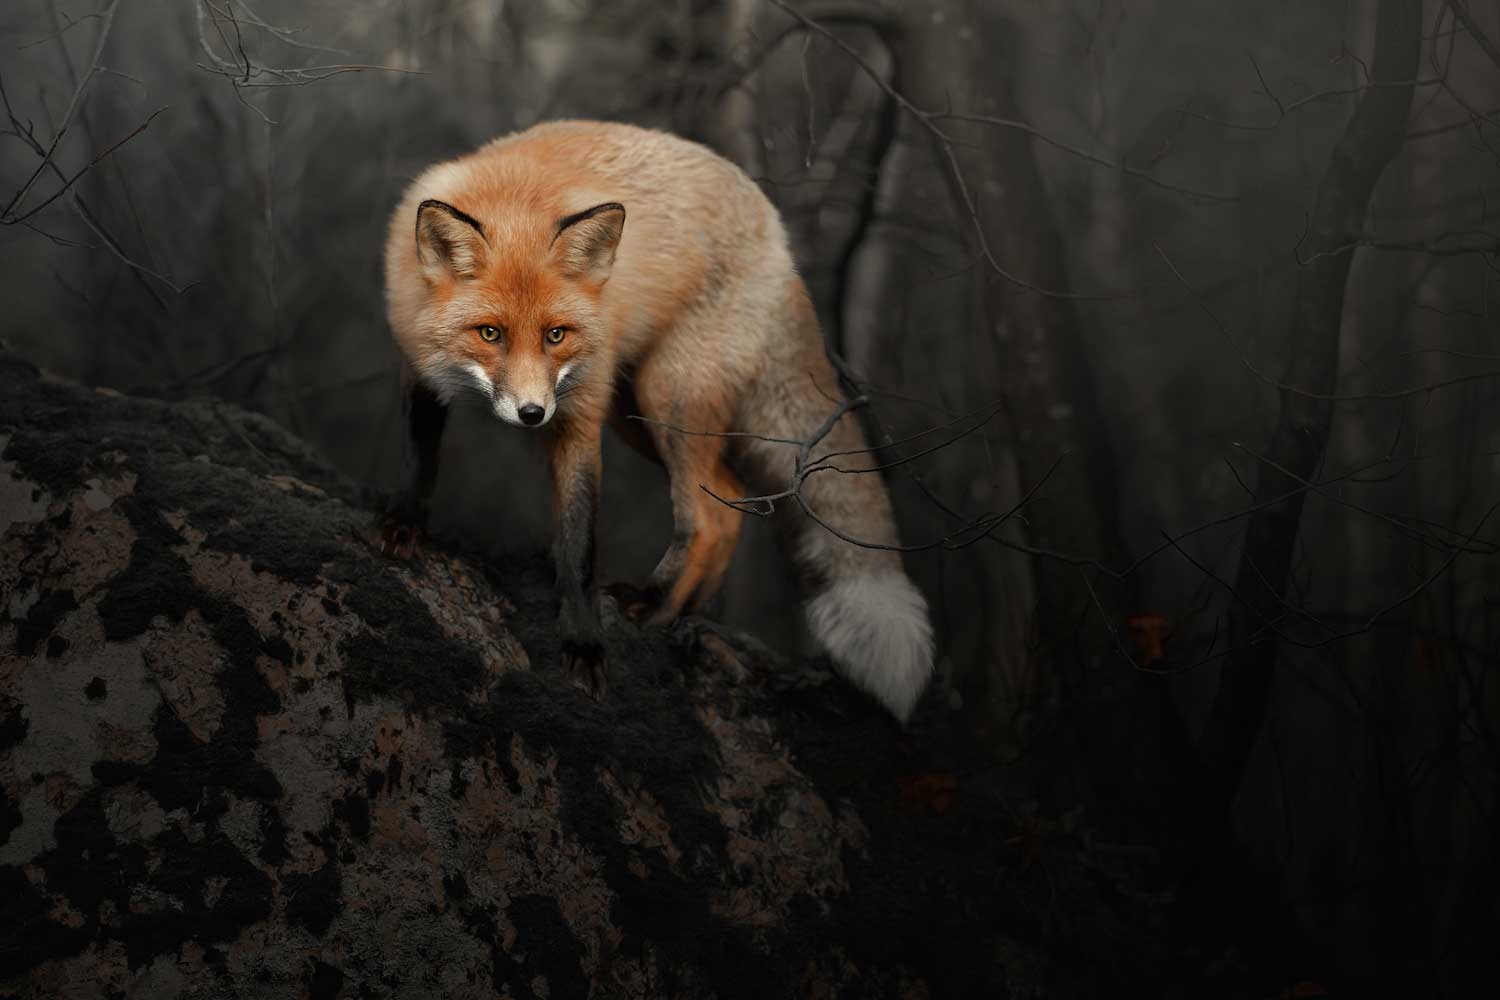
<point>396,535</point>
<point>583,666</point>
<point>637,604</point>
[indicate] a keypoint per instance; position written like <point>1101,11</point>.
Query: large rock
<point>241,754</point>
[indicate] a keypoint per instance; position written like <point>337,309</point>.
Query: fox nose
<point>531,414</point>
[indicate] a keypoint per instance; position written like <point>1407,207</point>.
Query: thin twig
<point>946,144</point>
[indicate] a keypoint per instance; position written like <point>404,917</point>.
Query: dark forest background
<point>1187,315</point>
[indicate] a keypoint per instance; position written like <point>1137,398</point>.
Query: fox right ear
<point>584,244</point>
<point>450,243</point>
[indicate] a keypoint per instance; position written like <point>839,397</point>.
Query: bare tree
<point>1371,139</point>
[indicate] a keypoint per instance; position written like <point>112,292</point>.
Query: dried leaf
<point>1149,632</point>
<point>934,791</point>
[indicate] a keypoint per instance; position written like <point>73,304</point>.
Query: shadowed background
<point>1114,257</point>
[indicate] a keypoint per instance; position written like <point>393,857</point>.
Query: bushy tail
<point>861,607</point>
<point>876,631</point>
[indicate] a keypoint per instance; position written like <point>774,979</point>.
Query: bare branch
<point>1144,175</point>
<point>946,145</point>
<point>1461,11</point>
<point>71,24</point>
<point>1284,110</point>
<point>10,220</point>
<point>1307,393</point>
<point>80,207</point>
<point>244,73</point>
<point>107,20</point>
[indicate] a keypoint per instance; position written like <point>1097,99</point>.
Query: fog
<point>1177,323</point>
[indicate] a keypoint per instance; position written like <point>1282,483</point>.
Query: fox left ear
<point>584,246</point>
<point>449,242</point>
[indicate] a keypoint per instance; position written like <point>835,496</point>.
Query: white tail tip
<point>875,629</point>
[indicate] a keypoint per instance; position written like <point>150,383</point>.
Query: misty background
<point>1185,314</point>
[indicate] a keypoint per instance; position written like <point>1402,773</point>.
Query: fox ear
<point>584,246</point>
<point>450,243</point>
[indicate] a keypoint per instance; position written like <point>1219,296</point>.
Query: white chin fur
<point>505,408</point>
<point>875,629</point>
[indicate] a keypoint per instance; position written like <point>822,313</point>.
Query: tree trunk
<point>932,316</point>
<point>1371,139</point>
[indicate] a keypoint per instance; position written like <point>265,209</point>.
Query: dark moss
<point>273,849</point>
<point>324,981</point>
<point>155,582</point>
<point>61,425</point>
<point>28,935</point>
<point>314,899</point>
<point>43,617</point>
<point>404,652</point>
<point>478,917</point>
<point>544,946</point>
<point>646,727</point>
<point>13,723</point>
<point>354,812</point>
<point>272,530</point>
<point>10,816</point>
<point>904,891</point>
<point>187,772</point>
<point>277,649</point>
<point>96,689</point>
<point>89,867</point>
<point>186,867</point>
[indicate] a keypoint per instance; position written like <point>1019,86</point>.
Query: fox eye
<point>489,334</point>
<point>556,334</point>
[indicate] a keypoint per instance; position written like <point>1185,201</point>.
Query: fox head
<point>514,316</point>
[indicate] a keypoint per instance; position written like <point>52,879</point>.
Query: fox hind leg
<point>705,533</point>
<point>704,529</point>
<point>624,419</point>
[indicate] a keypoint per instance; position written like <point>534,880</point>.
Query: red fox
<point>512,273</point>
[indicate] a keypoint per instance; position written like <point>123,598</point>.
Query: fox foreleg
<point>576,471</point>
<point>404,518</point>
